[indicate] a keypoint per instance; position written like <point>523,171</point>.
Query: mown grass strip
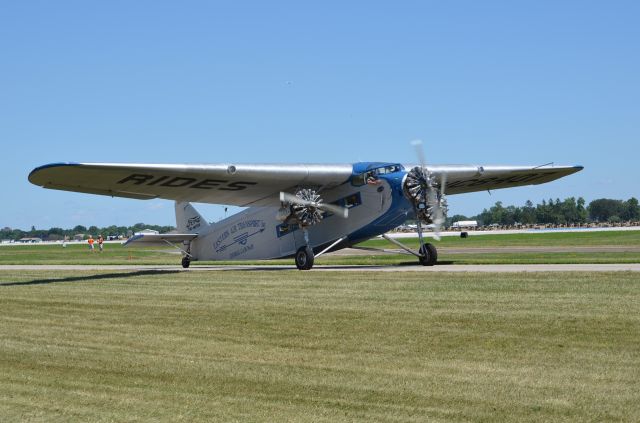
<point>304,346</point>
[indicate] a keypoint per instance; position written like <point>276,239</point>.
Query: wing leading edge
<point>470,178</point>
<point>259,184</point>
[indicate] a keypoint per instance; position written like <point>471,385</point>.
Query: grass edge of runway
<point>117,254</point>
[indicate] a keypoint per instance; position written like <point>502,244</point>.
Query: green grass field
<point>117,254</point>
<point>323,346</point>
<point>546,239</point>
<point>80,254</point>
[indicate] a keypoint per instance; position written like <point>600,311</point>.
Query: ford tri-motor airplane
<point>293,210</point>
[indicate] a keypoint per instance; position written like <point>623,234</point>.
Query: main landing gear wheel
<point>428,255</point>
<point>304,258</point>
<point>185,262</point>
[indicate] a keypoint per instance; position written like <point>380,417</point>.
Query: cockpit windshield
<point>372,175</point>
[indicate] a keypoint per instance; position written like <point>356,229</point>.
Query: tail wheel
<point>304,258</point>
<point>185,262</point>
<point>428,255</point>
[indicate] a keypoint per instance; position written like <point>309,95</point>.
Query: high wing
<point>238,185</point>
<point>471,178</point>
<point>259,184</point>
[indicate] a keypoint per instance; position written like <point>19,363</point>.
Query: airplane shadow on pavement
<point>88,278</point>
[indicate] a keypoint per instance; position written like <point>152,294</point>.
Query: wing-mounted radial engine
<point>306,208</point>
<point>302,208</point>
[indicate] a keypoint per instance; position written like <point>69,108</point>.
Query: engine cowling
<point>307,212</point>
<point>425,193</point>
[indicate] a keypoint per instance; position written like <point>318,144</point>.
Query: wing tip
<point>576,168</point>
<point>48,166</point>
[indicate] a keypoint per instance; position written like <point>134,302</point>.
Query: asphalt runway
<point>475,268</point>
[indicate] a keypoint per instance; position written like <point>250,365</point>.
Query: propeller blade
<point>439,218</point>
<point>332,208</point>
<point>285,197</point>
<point>437,224</point>
<point>340,211</point>
<point>417,144</point>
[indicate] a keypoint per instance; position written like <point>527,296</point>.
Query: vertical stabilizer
<point>188,220</point>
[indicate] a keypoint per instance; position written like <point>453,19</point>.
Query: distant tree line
<point>54,234</point>
<point>570,210</point>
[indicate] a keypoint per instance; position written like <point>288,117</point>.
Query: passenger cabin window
<point>352,200</point>
<point>283,229</point>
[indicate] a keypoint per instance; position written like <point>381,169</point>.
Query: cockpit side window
<point>372,174</point>
<point>358,179</point>
<point>388,169</point>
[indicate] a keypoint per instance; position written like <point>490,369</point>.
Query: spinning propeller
<point>307,206</point>
<point>425,193</point>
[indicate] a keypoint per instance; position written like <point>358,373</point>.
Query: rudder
<point>188,220</point>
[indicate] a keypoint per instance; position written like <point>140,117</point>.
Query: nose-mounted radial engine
<point>429,204</point>
<point>427,196</point>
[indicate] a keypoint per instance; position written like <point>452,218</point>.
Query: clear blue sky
<point>490,82</point>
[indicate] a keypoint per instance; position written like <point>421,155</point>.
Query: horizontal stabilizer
<point>159,239</point>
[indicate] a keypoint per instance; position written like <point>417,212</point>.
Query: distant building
<point>30,240</point>
<point>465,224</point>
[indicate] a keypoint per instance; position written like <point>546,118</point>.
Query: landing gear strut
<point>186,251</point>
<point>428,253</point>
<point>186,259</point>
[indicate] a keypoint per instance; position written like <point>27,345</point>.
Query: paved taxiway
<point>511,249</point>
<point>476,268</point>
